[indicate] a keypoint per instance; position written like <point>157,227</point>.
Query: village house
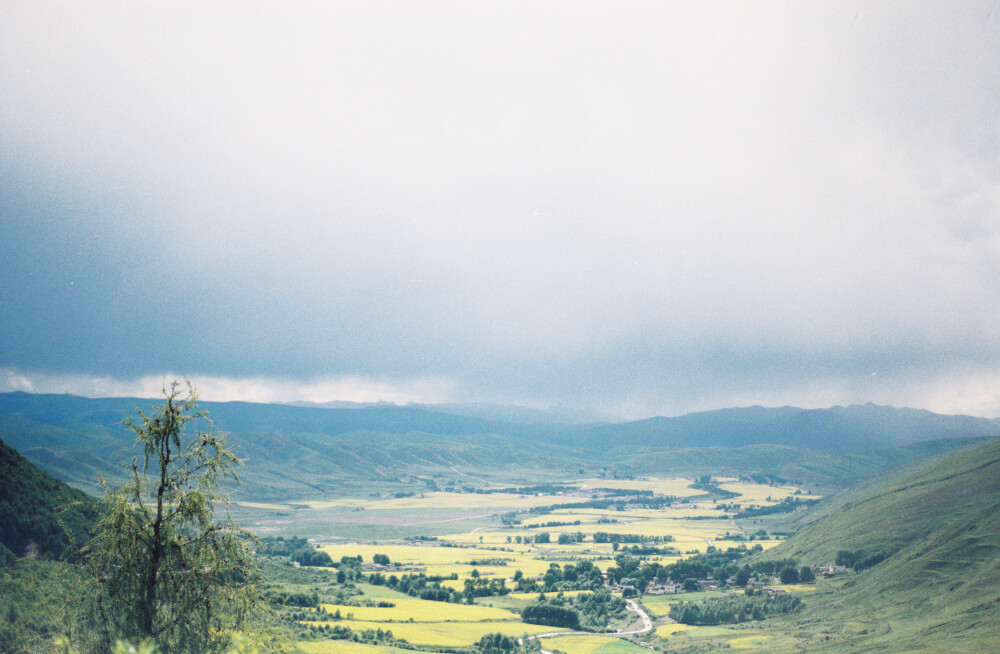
<point>707,584</point>
<point>829,570</point>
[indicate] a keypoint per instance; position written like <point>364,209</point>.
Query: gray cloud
<point>653,209</point>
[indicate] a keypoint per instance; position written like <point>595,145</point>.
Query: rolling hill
<point>938,587</point>
<point>39,514</point>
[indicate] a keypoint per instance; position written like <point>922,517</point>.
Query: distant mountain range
<point>837,430</point>
<point>309,450</point>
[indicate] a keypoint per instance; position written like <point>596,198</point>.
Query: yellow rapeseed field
<point>758,493</point>
<point>592,645</point>
<point>749,642</point>
<point>347,647</point>
<point>670,629</point>
<point>418,610</point>
<point>410,554</point>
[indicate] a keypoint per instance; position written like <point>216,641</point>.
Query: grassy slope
<point>940,591</point>
<point>39,512</point>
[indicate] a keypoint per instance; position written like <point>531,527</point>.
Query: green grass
<point>939,591</point>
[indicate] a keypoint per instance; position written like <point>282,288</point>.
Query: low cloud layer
<point>224,389</point>
<point>642,210</point>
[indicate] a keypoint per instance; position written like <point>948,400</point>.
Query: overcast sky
<point>632,208</point>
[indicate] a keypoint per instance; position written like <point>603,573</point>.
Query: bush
<point>789,575</point>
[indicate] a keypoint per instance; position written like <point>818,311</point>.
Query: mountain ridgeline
<point>298,451</point>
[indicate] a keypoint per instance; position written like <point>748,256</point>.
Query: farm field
<point>525,541</point>
<point>348,647</point>
<point>591,645</point>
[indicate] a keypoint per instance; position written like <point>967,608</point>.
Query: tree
<point>789,575</point>
<point>806,575</point>
<point>497,644</point>
<point>165,566</point>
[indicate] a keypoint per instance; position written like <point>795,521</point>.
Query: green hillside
<point>39,514</point>
<point>938,589</point>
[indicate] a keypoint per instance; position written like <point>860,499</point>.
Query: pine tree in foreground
<point>165,566</point>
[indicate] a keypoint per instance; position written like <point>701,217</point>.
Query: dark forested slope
<point>40,514</point>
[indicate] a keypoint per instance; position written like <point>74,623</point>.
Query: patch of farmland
<point>756,641</point>
<point>592,645</point>
<point>407,554</point>
<point>754,493</point>
<point>348,647</point>
<point>667,630</point>
<point>380,592</point>
<point>446,500</point>
<point>264,506</point>
<point>418,610</point>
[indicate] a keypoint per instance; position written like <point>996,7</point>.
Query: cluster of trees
<point>421,586</point>
<point>477,586</point>
<point>621,500</point>
<point>732,609</point>
<point>539,489</point>
<point>497,562</point>
<point>340,632</point>
<point>567,538</point>
<point>862,559</point>
<point>720,566</point>
<point>605,537</point>
<point>312,556</point>
<point>786,505</point>
<point>648,550</point>
<point>556,523</point>
<point>497,644</point>
<point>280,546</point>
<point>287,598</point>
<point>582,576</point>
<point>551,615</point>
<point>587,612</point>
<point>705,483</point>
